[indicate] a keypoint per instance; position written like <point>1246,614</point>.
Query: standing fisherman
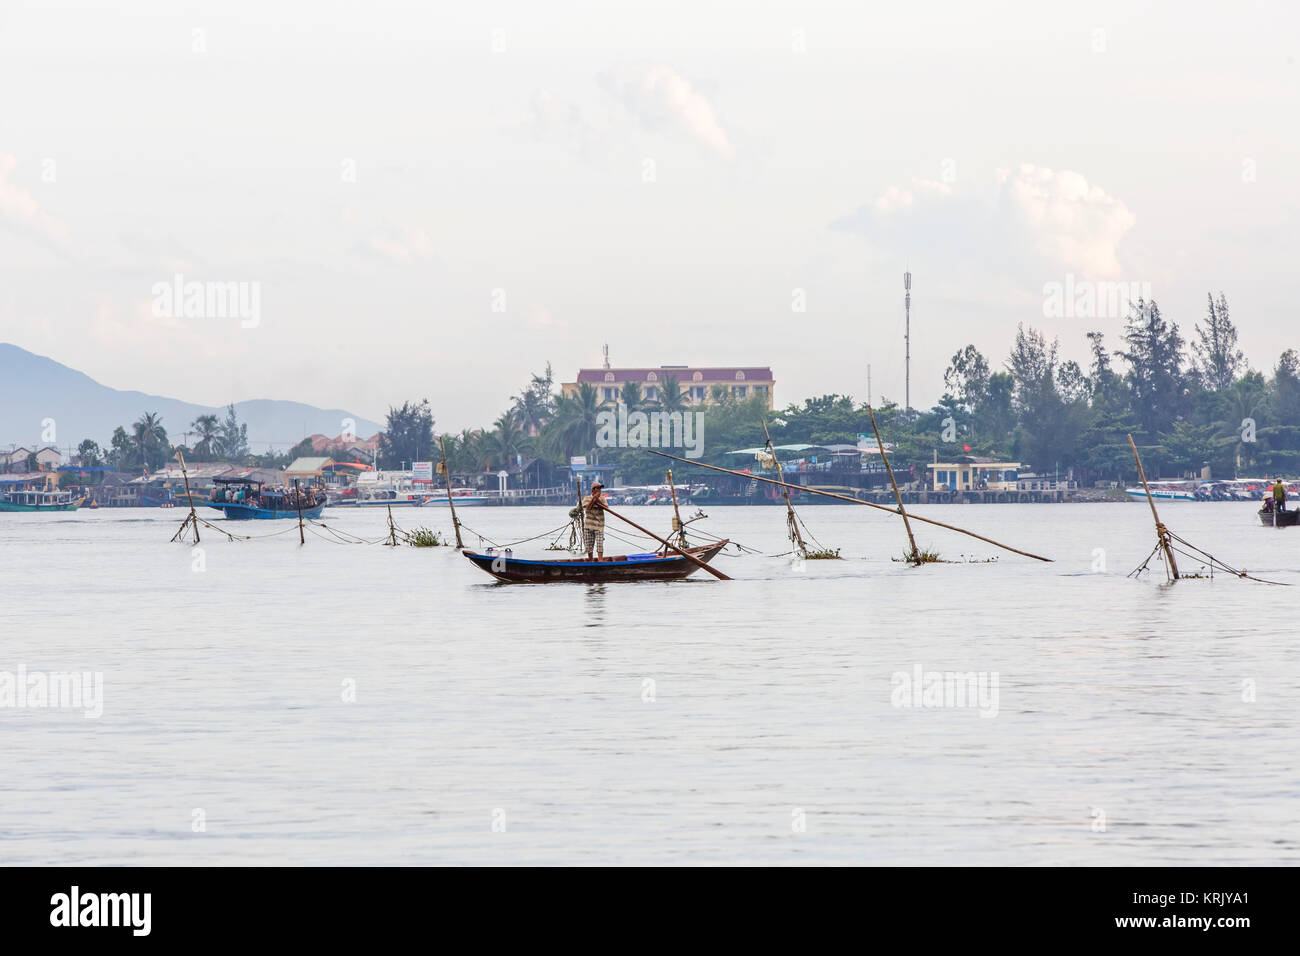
<point>1279,496</point>
<point>593,521</point>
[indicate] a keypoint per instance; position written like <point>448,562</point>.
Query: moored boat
<point>28,500</point>
<point>381,497</point>
<point>461,498</point>
<point>1169,491</point>
<point>628,567</point>
<point>243,498</point>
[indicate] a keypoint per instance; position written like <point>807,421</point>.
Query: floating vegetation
<point>424,538</point>
<point>932,557</point>
<point>825,554</point>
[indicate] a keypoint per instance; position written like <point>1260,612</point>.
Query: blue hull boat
<point>626,567</point>
<point>244,498</point>
<point>240,512</point>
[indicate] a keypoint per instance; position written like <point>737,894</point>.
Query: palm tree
<point>1245,400</point>
<point>630,395</point>
<point>573,429</point>
<point>463,451</point>
<point>206,427</point>
<point>505,443</point>
<point>534,406</point>
<point>149,433</point>
<point>671,398</point>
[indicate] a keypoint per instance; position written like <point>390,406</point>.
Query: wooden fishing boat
<point>626,567</point>
<point>1278,519</point>
<point>242,498</point>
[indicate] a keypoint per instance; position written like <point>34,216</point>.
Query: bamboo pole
<point>392,531</point>
<point>915,556</point>
<point>446,472</point>
<point>685,554</point>
<point>856,501</point>
<point>193,517</point>
<point>1162,533</point>
<point>677,515</point>
<point>791,521</point>
<point>297,497</point>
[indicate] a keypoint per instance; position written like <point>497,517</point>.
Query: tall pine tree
<point>1218,360</point>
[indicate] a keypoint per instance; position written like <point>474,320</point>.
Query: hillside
<point>36,388</point>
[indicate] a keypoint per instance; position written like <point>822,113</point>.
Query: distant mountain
<point>34,388</point>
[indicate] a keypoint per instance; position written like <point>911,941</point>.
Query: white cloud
<point>401,243</point>
<point>902,198</point>
<point>540,317</point>
<point>661,98</point>
<point>1072,222</point>
<point>1033,219</point>
<point>18,206</point>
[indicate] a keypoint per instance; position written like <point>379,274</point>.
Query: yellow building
<point>696,384</point>
<point>974,474</point>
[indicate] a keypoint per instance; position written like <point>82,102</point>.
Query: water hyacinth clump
<point>424,538</point>
<point>920,556</point>
<point>825,554</point>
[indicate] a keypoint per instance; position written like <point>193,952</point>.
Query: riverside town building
<point>696,383</point>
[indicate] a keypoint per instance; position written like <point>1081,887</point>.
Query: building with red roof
<point>696,382</point>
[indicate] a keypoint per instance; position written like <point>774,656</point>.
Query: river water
<point>265,702</point>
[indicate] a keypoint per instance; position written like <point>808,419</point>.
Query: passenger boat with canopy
<point>242,498</point>
<point>27,499</point>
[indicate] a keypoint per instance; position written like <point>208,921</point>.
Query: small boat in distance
<point>627,567</point>
<point>388,497</point>
<point>242,498</point>
<point>460,497</point>
<point>1166,490</point>
<point>28,500</point>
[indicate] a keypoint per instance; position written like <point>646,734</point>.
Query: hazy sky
<point>674,179</point>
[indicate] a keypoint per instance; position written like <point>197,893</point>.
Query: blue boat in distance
<point>242,498</point>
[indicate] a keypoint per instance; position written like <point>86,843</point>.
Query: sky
<point>430,199</point>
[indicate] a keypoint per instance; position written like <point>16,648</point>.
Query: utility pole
<point>907,340</point>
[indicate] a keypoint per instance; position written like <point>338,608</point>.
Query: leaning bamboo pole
<point>792,522</point>
<point>297,497</point>
<point>1162,533</point>
<point>677,514</point>
<point>446,471</point>
<point>855,501</point>
<point>914,556</point>
<point>193,518</point>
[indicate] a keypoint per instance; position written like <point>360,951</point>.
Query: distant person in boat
<point>1279,496</point>
<point>593,521</point>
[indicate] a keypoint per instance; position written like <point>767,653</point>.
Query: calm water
<point>696,722</point>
